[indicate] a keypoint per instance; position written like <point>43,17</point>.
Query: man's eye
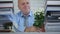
<point>27,2</point>
<point>23,3</point>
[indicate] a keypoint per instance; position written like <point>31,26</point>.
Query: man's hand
<point>27,29</point>
<point>39,30</point>
<point>31,29</point>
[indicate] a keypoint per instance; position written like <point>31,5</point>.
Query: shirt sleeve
<point>13,19</point>
<point>21,28</point>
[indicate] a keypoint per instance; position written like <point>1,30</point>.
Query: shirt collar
<point>30,13</point>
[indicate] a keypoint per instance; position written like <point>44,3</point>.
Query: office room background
<point>53,9</point>
<point>9,6</point>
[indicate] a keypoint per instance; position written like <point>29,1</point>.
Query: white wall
<point>35,4</point>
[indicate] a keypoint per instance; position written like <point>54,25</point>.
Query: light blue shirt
<point>19,19</point>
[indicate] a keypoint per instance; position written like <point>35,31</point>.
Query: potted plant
<point>7,25</point>
<point>39,19</point>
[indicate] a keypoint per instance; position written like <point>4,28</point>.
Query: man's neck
<point>26,14</point>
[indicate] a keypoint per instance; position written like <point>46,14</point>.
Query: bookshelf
<point>52,16</point>
<point>6,8</point>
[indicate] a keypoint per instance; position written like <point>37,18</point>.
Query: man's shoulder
<point>18,14</point>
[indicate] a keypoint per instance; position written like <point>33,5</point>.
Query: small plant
<point>7,25</point>
<point>39,19</point>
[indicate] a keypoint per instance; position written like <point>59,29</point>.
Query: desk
<point>31,33</point>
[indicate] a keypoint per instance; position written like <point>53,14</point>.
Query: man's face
<point>24,6</point>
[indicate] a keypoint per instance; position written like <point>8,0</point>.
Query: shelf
<point>7,30</point>
<point>53,2</point>
<point>6,5</point>
<point>6,0</point>
<point>6,11</point>
<point>53,8</point>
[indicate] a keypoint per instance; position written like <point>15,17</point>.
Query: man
<point>22,21</point>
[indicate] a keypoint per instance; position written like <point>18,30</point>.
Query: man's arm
<point>12,18</point>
